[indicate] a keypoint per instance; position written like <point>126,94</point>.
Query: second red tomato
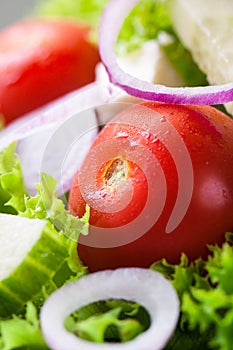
<point>41,60</point>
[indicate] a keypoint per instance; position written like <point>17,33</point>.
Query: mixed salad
<point>116,187</point>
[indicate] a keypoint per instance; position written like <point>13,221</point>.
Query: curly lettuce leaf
<point>45,204</point>
<point>205,289</point>
<point>12,190</point>
<point>88,11</point>
<point>220,267</point>
<point>95,327</point>
<point>108,321</point>
<point>144,23</point>
<point>19,332</point>
<point>22,331</point>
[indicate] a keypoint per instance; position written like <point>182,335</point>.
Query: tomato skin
<point>41,60</point>
<point>208,136</point>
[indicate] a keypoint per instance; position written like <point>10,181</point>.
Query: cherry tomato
<point>41,60</point>
<point>158,180</point>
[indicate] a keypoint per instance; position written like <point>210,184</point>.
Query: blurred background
<point>11,10</point>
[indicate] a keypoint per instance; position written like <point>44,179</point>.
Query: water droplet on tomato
<point>122,134</point>
<point>155,139</point>
<point>145,134</point>
<point>224,193</point>
<point>163,119</point>
<point>133,143</point>
<point>198,146</point>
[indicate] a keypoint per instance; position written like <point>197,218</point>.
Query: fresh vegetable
<point>113,17</point>
<point>149,20</point>
<point>145,287</point>
<point>11,182</point>
<point>205,289</point>
<point>31,254</point>
<point>110,321</point>
<point>42,239</point>
<point>55,128</point>
<point>44,205</point>
<point>207,35</point>
<point>167,163</point>
<point>85,11</point>
<point>22,331</point>
<point>42,59</point>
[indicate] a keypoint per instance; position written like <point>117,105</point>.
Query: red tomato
<point>178,161</point>
<point>41,60</point>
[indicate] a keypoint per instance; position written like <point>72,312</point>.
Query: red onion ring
<point>34,131</point>
<point>110,25</point>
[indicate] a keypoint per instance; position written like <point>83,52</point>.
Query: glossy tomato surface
<point>159,182</point>
<point>41,60</point>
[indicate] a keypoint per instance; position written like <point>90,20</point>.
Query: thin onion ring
<point>146,287</point>
<point>111,21</point>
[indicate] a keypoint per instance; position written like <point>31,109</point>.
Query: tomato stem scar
<point>116,173</point>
